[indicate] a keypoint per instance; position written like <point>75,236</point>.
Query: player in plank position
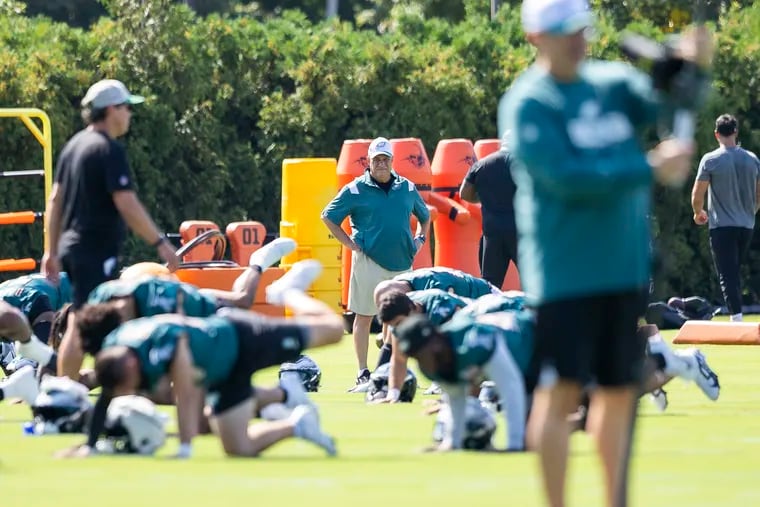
<point>39,301</point>
<point>218,354</point>
<point>117,301</point>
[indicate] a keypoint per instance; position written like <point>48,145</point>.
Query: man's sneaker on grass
<point>362,382</point>
<point>21,384</point>
<point>272,252</point>
<point>301,276</point>
<point>434,389</point>
<point>306,426</point>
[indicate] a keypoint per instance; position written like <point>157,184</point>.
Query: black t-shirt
<point>90,168</point>
<point>493,182</point>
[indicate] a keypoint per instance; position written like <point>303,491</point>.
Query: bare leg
<point>549,432</point>
<point>243,291</point>
<point>362,324</point>
<point>238,439</point>
<point>70,353</point>
<point>323,325</point>
<point>609,421</point>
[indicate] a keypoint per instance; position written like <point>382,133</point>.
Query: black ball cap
<point>414,333</point>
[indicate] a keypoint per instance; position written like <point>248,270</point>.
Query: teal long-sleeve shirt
<point>583,181</point>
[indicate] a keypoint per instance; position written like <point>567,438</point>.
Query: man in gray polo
<point>732,176</point>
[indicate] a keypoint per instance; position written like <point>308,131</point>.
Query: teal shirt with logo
<point>379,220</point>
<point>156,296</point>
<point>22,292</point>
<point>583,180</point>
<point>213,344</point>
<point>475,342</point>
<point>493,303</point>
<point>437,304</point>
<point>446,279</point>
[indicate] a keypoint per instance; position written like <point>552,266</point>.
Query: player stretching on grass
<point>117,301</point>
<point>218,354</point>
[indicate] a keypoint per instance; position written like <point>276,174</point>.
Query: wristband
<point>159,242</point>
<point>185,450</point>
<point>393,394</point>
<point>421,237</point>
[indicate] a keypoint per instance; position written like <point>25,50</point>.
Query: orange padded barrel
<point>456,242</point>
<point>352,163</point>
<point>410,160</point>
<point>245,238</point>
<point>484,147</point>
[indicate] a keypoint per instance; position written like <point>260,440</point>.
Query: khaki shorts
<point>365,275</point>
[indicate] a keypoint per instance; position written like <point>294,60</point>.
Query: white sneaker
<point>702,374</point>
<point>660,399</point>
<point>22,384</point>
<point>306,422</point>
<point>434,389</point>
<point>301,276</point>
<point>290,381</point>
<point>272,252</point>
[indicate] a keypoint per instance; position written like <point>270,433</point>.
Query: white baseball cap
<point>109,92</point>
<point>557,17</point>
<point>380,146</point>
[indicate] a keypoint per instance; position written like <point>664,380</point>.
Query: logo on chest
<point>593,129</point>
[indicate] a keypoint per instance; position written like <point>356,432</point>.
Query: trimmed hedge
<point>229,98</point>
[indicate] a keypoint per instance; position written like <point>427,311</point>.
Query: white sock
<point>737,317</point>
<point>35,350</point>
<point>674,365</point>
<point>291,296</point>
<point>10,386</point>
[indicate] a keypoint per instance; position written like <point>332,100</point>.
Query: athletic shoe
<point>703,375</point>
<point>660,399</point>
<point>306,426</point>
<point>272,252</point>
<point>301,276</point>
<point>290,381</point>
<point>22,384</point>
<point>434,389</point>
<point>362,382</point>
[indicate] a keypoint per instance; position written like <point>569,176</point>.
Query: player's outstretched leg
<point>243,292</point>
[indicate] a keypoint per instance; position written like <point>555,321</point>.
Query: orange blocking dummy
<point>457,229</point>
<point>188,230</point>
<point>411,162</point>
<point>245,238</point>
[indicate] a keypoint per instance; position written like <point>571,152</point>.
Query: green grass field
<point>697,454</point>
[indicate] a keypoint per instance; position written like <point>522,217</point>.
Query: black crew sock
<point>385,354</point>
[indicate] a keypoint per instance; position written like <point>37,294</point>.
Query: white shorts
<point>365,275</point>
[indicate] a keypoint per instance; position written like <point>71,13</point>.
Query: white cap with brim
<point>380,146</point>
<point>556,17</point>
<point>109,92</point>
